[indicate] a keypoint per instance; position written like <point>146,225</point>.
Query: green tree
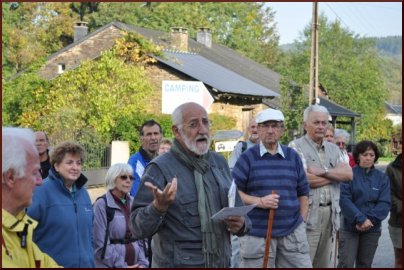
<point>32,31</point>
<point>349,69</point>
<point>244,26</point>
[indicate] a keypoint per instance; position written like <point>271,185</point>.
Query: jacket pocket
<point>297,240</point>
<point>188,253</point>
<point>189,209</point>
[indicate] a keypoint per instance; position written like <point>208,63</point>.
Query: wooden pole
<point>269,234</point>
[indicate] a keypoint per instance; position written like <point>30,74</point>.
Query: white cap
<point>269,115</point>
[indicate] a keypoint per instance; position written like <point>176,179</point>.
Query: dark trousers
<point>357,249</point>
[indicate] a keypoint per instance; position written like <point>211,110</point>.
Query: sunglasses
<point>125,177</point>
<point>340,143</point>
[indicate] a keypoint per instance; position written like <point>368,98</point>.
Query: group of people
<point>157,209</point>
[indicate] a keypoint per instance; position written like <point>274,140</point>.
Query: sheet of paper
<point>233,211</point>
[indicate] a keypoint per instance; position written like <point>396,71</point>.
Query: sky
<point>368,19</point>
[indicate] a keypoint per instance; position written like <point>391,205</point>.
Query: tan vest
<point>310,156</point>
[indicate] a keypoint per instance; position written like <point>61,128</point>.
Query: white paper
<point>232,194</point>
<point>233,211</point>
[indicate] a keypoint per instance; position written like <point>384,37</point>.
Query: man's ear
<point>176,131</point>
<point>9,178</point>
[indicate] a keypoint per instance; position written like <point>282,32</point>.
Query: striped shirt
<point>283,172</point>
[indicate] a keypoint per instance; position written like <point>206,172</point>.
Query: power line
<point>391,8</point>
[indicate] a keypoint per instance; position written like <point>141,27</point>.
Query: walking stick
<point>269,233</point>
<point>336,248</point>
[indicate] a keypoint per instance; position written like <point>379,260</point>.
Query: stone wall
<point>89,48</point>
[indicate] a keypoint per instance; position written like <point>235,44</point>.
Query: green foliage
<point>134,48</point>
<point>221,122</point>
<point>292,104</point>
<point>33,30</point>
<point>244,26</point>
<point>349,69</point>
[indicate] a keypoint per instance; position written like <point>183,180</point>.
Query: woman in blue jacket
<point>63,210</point>
<point>365,203</point>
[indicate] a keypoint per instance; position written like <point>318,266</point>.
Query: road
<point>384,257</point>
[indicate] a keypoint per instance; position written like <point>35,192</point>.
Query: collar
<point>16,223</point>
<point>314,144</point>
<point>263,150</point>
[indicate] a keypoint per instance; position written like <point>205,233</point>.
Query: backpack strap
<point>110,212</point>
<point>244,146</point>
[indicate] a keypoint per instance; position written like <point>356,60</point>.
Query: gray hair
<point>16,142</point>
<point>178,116</point>
<point>342,133</point>
<point>114,171</point>
<point>314,108</point>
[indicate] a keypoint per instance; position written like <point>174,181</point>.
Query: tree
<point>349,69</point>
<point>31,31</point>
<point>243,26</point>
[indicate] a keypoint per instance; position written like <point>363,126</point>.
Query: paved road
<point>384,257</point>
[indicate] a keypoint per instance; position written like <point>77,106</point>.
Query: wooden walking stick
<point>269,233</point>
<point>336,248</point>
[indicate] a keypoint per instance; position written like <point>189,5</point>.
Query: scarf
<point>212,236</point>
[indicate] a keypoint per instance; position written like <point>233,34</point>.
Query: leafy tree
<point>31,31</point>
<point>349,69</point>
<point>83,8</point>
<point>244,26</point>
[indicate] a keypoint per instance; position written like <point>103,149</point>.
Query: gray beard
<point>191,145</point>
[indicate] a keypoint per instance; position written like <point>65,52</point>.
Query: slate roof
<point>214,75</point>
<point>393,109</point>
<point>337,110</point>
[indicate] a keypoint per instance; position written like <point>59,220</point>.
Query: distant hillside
<point>391,45</point>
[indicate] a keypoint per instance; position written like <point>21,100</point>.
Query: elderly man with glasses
<point>266,167</point>
<point>178,194</point>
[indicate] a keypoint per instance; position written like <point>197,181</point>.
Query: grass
<point>387,159</point>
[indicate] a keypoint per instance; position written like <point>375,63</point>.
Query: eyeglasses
<point>125,177</point>
<point>196,124</point>
<point>271,125</point>
<point>340,143</point>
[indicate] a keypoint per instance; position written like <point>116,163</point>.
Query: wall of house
<point>90,48</point>
<point>158,72</point>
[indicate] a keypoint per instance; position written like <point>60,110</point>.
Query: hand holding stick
<point>269,233</point>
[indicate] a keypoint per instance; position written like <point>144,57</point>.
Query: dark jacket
<point>65,222</point>
<point>177,237</point>
<point>394,170</point>
<point>366,196</point>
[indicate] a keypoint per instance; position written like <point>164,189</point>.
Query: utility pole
<point>313,87</point>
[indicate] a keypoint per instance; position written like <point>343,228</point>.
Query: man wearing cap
<point>324,171</point>
<point>263,168</point>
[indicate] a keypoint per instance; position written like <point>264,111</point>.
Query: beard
<point>193,145</point>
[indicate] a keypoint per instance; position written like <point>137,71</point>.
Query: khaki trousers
<point>320,239</point>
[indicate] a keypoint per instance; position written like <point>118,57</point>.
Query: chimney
<point>204,36</point>
<point>179,39</point>
<point>80,31</point>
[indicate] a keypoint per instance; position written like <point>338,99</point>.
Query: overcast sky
<point>368,19</point>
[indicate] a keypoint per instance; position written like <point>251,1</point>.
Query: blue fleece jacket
<point>366,196</point>
<point>65,221</point>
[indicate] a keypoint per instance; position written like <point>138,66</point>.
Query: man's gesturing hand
<point>163,199</point>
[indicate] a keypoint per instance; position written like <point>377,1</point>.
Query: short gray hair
<point>314,108</point>
<point>178,114</point>
<point>342,133</point>
<point>16,142</point>
<point>114,171</point>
